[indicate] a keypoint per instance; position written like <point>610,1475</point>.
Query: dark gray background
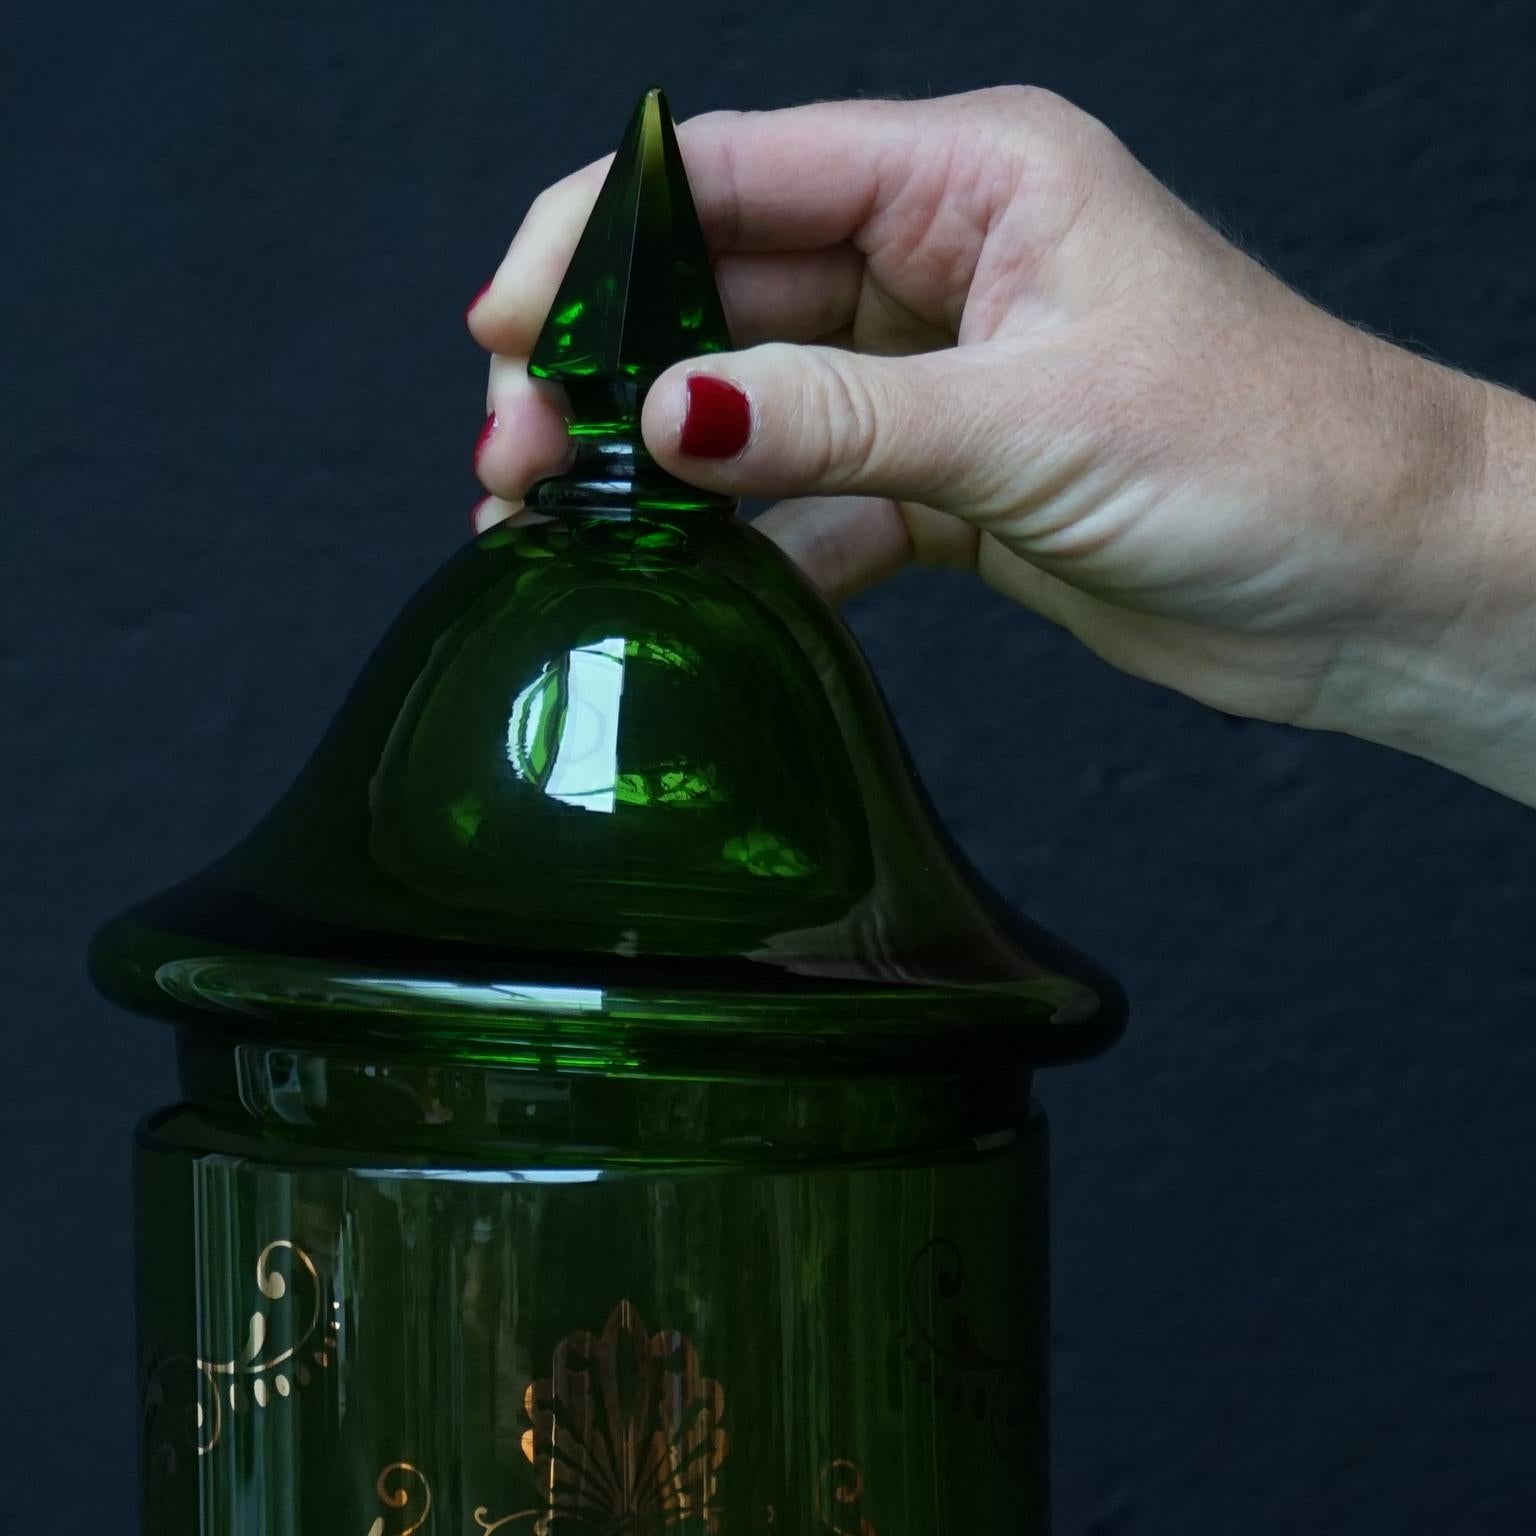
<point>1295,1269</point>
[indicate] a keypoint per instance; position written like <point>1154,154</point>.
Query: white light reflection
<point>563,733</point>
<point>486,1175</point>
<point>494,995</point>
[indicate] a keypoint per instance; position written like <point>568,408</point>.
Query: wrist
<point>1445,665</point>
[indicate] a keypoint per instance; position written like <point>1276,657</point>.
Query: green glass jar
<point>607,1091</point>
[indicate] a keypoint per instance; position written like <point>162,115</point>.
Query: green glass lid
<point>617,790</point>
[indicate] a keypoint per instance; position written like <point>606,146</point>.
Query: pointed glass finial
<point>639,293</point>
<point>638,296</point>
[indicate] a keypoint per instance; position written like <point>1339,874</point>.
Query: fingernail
<point>468,308</point>
<point>484,438</point>
<point>717,418</point>
<point>474,514</point>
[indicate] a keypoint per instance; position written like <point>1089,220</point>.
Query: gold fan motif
<point>626,1430</point>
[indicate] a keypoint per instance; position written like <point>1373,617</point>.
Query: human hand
<point>977,332</point>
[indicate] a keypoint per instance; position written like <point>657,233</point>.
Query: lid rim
<point>224,989</point>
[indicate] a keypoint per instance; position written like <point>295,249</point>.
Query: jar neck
<point>387,1103</point>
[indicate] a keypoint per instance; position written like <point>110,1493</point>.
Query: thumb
<point>788,420</point>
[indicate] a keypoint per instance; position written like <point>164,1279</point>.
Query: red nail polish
<point>717,419</point>
<point>468,308</point>
<point>484,438</point>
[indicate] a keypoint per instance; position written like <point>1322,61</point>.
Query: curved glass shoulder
<point>622,786</point>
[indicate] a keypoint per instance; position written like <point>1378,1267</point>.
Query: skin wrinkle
<point>962,219</point>
<point>1008,259</point>
<point>954,201</point>
<point>936,540</point>
<point>868,329</point>
<point>1006,262</point>
<point>899,262</point>
<point>1504,590</point>
<point>849,444</point>
<point>1080,527</point>
<point>1424,665</point>
<point>721,222</point>
<point>1008,493</point>
<point>755,290</point>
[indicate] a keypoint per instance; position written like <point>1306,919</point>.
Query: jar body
<point>362,1314</point>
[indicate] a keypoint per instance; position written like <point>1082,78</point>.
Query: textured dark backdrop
<point>1295,1268</point>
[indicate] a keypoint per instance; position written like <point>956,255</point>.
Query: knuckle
<point>1066,156</point>
<point>1031,107</point>
<point>850,421</point>
<point>543,202</point>
<point>560,197</point>
<point>1023,99</point>
<point>1058,127</point>
<point>1083,146</point>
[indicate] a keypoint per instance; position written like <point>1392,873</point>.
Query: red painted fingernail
<point>468,308</point>
<point>717,419</point>
<point>484,438</point>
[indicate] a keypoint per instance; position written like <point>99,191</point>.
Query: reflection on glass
<point>496,996</point>
<point>563,734</point>
<point>488,1175</point>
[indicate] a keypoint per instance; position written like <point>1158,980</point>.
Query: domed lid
<point>617,790</point>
